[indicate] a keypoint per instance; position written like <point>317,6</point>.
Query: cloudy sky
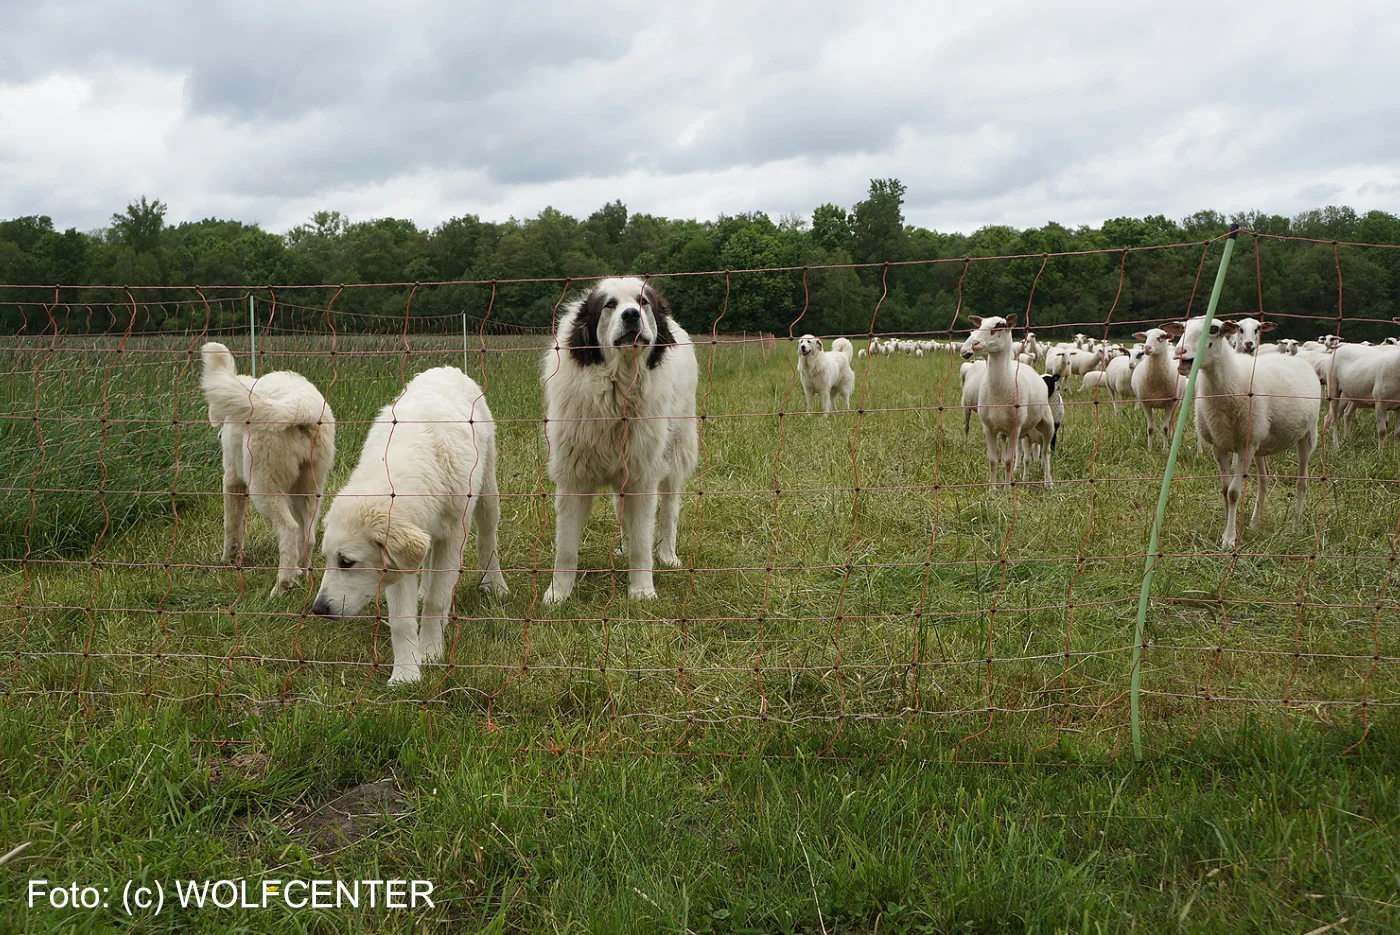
<point>990,112</point>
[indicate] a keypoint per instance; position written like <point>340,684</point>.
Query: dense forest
<point>1299,277</point>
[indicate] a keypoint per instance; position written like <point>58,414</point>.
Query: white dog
<point>619,390</point>
<point>825,373</point>
<point>427,472</point>
<point>278,440</point>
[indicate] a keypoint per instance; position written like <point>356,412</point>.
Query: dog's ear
<point>404,544</point>
<point>583,343</point>
<point>665,338</point>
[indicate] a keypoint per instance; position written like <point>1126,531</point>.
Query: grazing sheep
<point>1012,401</point>
<point>1155,383</point>
<point>1249,408</point>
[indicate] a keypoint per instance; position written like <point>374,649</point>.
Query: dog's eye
<point>611,303</point>
<point>642,301</point>
<point>342,562</point>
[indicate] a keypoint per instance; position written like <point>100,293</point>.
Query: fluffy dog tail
<point>842,346</point>
<point>229,398</point>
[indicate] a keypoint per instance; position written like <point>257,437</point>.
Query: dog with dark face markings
<point>619,390</point>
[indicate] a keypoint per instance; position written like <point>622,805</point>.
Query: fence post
<point>1188,400</point>
<point>253,335</point>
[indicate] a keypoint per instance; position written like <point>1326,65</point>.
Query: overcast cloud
<point>990,112</point>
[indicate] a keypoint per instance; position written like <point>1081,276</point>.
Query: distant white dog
<point>826,373</point>
<point>426,473</point>
<point>278,440</point>
<point>619,390</point>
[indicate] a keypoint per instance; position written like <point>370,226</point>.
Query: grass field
<point>792,738</point>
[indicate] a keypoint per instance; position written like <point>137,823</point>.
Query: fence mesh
<point>848,582</point>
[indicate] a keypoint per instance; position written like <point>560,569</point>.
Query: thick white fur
<point>278,440</point>
<point>426,473</point>
<point>621,425</point>
<point>825,374</point>
<point>1248,408</point>
<point>1012,401</point>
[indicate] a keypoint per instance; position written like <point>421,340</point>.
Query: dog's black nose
<point>630,316</point>
<point>322,607</point>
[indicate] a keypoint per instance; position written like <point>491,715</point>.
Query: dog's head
<point>363,542</point>
<point>808,344</point>
<point>618,315</point>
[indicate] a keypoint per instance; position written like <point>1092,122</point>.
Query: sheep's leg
<point>1168,426</point>
<point>1231,485</point>
<point>1013,454</point>
<point>1150,413</point>
<point>993,453</point>
<point>1382,423</point>
<point>1306,444</point>
<point>1261,467</point>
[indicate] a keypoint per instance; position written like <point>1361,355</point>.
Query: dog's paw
<point>620,551</point>
<point>668,559</point>
<point>495,587</point>
<point>403,675</point>
<point>553,595</point>
<point>647,593</point>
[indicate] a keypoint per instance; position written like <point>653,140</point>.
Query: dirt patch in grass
<point>350,816</point>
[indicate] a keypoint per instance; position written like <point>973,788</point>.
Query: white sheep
<point>1361,375</point>
<point>1247,339</point>
<point>1249,408</point>
<point>971,375</point>
<point>1011,402</point>
<point>1154,382</point>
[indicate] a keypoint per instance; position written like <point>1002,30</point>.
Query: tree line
<point>1110,271</point>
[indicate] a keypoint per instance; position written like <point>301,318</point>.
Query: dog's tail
<point>229,398</point>
<point>841,345</point>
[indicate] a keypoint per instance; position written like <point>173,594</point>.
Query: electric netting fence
<point>848,582</point>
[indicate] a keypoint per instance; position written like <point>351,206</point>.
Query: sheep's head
<point>1188,334</point>
<point>992,334</point>
<point>1155,341</point>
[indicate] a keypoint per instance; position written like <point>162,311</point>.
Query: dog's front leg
<point>639,525</point>
<point>401,594</point>
<point>570,514</point>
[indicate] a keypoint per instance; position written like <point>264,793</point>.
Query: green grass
<point>757,745</point>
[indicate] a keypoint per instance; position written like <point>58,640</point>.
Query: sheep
<point>1246,340</point>
<point>1358,375</point>
<point>1118,375</point>
<point>1011,402</point>
<point>1154,382</point>
<point>1249,408</point>
<point>971,376</point>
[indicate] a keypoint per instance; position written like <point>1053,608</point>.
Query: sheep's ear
<point>1140,335</point>
<point>977,321</point>
<point>1174,328</point>
<point>1011,320</point>
<point>1229,327</point>
<point>1268,326</point>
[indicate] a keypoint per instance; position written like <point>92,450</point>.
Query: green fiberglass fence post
<point>253,335</point>
<point>1134,688</point>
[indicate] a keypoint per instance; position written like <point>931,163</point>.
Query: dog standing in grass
<point>619,393</point>
<point>826,373</point>
<point>427,473</point>
<point>278,439</point>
